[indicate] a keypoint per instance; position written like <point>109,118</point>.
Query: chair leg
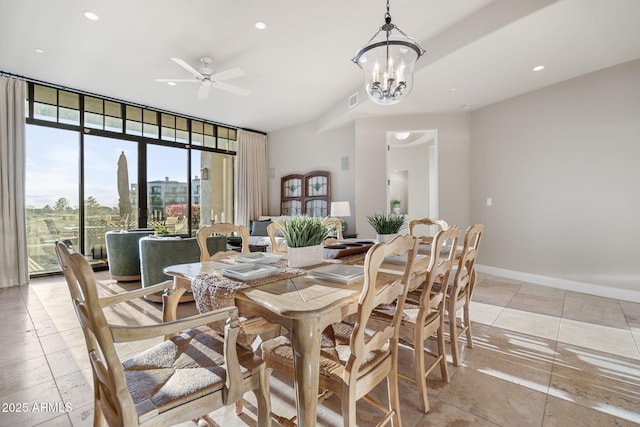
<point>98,417</point>
<point>421,376</point>
<point>467,323</point>
<point>394,396</point>
<point>442,350</point>
<point>348,406</point>
<point>263,398</point>
<point>453,338</point>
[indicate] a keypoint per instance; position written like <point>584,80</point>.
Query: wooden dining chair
<point>414,225</point>
<point>424,313</point>
<point>178,380</point>
<point>461,290</point>
<point>277,246</point>
<point>354,358</point>
<point>337,224</point>
<point>251,325</point>
<point>220,228</point>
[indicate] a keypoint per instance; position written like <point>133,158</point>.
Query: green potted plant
<point>304,236</point>
<point>387,226</point>
<point>160,230</point>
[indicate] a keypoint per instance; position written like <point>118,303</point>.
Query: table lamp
<point>339,210</point>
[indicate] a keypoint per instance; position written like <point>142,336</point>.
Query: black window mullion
<point>143,209</point>
<point>81,209</point>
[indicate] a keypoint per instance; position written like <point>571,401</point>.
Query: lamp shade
<point>340,209</point>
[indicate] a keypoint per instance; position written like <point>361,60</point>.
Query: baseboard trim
<point>568,285</point>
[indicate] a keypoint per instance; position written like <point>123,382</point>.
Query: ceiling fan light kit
<point>207,79</point>
<point>388,61</point>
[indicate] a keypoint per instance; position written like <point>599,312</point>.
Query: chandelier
<point>388,61</point>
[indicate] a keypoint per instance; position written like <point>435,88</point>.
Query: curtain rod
<point>108,98</point>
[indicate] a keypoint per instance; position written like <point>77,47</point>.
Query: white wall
<point>561,165</point>
<point>301,149</point>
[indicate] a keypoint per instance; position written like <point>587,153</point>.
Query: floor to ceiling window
<point>168,188</point>
<point>51,194</point>
<point>111,166</point>
<point>98,151</point>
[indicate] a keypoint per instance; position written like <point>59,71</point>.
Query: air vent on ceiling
<point>353,100</point>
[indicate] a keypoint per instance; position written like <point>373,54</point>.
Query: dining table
<point>296,299</point>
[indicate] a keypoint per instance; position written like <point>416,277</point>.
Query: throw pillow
<point>259,228</point>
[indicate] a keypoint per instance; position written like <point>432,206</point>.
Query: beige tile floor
<point>541,357</point>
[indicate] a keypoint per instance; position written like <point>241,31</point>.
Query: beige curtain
<point>251,186</point>
<point>14,268</point>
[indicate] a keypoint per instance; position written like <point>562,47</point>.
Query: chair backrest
<point>413,223</point>
<point>374,294</point>
<point>443,250</point>
<point>272,232</point>
<point>108,375</point>
<point>465,278</point>
<point>337,223</point>
<point>224,228</point>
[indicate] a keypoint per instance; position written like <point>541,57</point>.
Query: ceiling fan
<point>208,79</point>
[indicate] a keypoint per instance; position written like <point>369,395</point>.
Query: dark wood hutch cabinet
<point>306,194</point>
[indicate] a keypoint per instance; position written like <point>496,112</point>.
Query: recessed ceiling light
<point>453,89</point>
<point>538,68</point>
<point>171,83</point>
<point>90,15</point>
<point>260,25</point>
<point>38,50</point>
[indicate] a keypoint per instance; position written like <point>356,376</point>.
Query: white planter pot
<point>386,237</point>
<point>302,257</point>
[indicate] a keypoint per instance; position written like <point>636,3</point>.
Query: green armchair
<point>123,253</point>
<point>157,253</point>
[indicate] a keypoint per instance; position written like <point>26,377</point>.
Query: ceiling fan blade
<point>178,80</point>
<point>188,67</point>
<point>233,73</point>
<point>232,89</point>
<point>203,92</point>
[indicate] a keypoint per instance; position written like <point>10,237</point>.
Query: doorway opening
<point>412,173</point>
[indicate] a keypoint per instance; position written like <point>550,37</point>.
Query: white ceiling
<point>298,69</point>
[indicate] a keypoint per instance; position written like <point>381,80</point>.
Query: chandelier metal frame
<point>393,87</point>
